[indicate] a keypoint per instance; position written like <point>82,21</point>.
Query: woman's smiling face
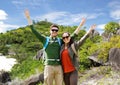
<point>66,37</point>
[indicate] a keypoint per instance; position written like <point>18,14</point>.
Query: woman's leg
<point>67,78</point>
<point>74,78</point>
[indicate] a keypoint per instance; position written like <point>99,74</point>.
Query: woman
<point>69,57</point>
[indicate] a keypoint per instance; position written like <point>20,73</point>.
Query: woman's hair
<point>71,39</point>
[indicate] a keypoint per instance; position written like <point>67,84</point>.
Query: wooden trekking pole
<point>27,15</point>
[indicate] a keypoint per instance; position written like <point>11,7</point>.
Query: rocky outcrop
<point>94,59</point>
<point>4,77</point>
<point>16,81</point>
<point>106,36</point>
<point>32,80</point>
<point>118,32</point>
<point>35,79</point>
<point>103,75</point>
<point>94,33</point>
<point>114,57</point>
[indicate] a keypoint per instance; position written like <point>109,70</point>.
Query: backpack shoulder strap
<point>46,43</point>
<point>74,50</point>
<point>59,41</point>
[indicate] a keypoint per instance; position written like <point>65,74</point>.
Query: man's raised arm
<point>41,37</point>
<point>27,14</point>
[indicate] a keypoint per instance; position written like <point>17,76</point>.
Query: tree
<point>111,27</point>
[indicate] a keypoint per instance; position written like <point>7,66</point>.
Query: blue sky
<point>63,12</point>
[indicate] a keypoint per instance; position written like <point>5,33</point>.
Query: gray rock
<point>106,36</point>
<point>35,79</point>
<point>118,32</point>
<point>4,77</point>
<point>114,57</point>
<point>94,59</point>
<point>94,33</point>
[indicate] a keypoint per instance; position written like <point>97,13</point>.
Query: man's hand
<point>27,14</point>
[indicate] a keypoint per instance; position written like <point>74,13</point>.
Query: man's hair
<point>54,25</point>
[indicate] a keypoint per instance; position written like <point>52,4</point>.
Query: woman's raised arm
<point>80,25</point>
<point>81,41</point>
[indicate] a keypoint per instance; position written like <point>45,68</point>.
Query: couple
<point>61,63</point>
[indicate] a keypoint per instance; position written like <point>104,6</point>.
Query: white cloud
<point>52,16</point>
<point>115,10</point>
<point>3,15</point>
<point>66,18</point>
<point>101,26</point>
<point>22,4</point>
<point>115,14</point>
<point>114,4</point>
<point>4,27</point>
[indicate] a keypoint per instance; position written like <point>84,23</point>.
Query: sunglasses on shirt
<point>54,30</point>
<point>65,37</point>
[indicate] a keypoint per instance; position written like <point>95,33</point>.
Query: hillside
<point>22,45</point>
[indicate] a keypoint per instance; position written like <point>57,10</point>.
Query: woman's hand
<point>92,28</point>
<point>82,22</point>
<point>80,25</point>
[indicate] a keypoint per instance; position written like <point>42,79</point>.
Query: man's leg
<point>48,75</point>
<point>58,75</point>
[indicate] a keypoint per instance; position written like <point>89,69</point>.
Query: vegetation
<point>22,45</point>
<point>106,46</point>
<point>111,27</point>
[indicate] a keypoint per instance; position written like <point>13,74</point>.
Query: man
<point>53,69</point>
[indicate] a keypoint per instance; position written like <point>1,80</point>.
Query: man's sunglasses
<point>54,30</point>
<point>65,37</point>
